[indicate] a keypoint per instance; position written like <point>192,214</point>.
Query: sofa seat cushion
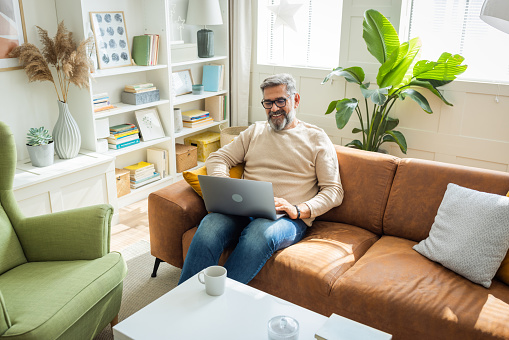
<point>41,297</point>
<point>399,291</point>
<point>305,272</point>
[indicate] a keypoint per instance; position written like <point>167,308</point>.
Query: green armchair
<point>58,279</point>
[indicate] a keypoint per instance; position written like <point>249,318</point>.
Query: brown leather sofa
<point>357,259</point>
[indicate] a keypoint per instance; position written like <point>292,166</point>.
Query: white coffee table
<point>187,312</point>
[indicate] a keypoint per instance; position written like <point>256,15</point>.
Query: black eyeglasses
<point>280,102</point>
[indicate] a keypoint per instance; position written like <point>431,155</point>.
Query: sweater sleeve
<point>219,162</point>
<point>330,192</point>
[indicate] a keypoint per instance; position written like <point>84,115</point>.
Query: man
<point>300,161</point>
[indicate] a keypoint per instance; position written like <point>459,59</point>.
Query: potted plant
<point>72,66</point>
<point>398,76</point>
<point>40,147</point>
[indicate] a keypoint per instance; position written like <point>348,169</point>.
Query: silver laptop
<point>238,197</point>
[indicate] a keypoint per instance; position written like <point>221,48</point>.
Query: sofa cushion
<point>305,272</point>
<point>41,297</point>
<point>395,289</point>
<point>418,189</point>
<point>191,176</point>
<point>470,234</point>
<point>366,178</point>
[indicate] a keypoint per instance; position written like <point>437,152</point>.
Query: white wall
<point>473,132</point>
<point>23,104</point>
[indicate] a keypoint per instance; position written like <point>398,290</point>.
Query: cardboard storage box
<point>122,177</point>
<point>183,52</point>
<point>206,142</point>
<point>186,157</point>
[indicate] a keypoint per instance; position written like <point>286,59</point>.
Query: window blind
<point>315,43</point>
<point>454,26</point>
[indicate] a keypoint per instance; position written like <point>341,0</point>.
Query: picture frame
<point>12,32</point>
<point>149,124</point>
<point>182,82</point>
<point>111,40</point>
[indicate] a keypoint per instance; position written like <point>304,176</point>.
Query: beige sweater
<point>301,163</point>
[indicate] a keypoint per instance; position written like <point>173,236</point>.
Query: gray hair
<point>281,79</point>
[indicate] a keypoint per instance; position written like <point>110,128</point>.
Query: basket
<point>229,133</point>
<point>187,157</point>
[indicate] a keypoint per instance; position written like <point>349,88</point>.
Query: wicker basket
<point>187,157</point>
<point>229,133</point>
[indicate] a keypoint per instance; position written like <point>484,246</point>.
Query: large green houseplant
<point>397,77</point>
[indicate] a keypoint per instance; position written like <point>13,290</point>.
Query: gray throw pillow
<point>470,235</point>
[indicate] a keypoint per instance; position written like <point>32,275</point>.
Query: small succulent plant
<point>38,136</point>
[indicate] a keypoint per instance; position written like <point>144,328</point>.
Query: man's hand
<point>283,205</point>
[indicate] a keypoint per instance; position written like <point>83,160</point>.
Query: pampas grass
<point>70,60</point>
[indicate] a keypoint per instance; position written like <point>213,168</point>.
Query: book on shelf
<point>138,167</point>
<point>203,122</point>
<point>212,78</point>
<point>146,177</point>
<point>138,86</point>
<point>99,96</point>
<point>215,105</point>
<point>153,179</point>
<point>141,50</point>
<point>139,176</point>
<point>159,157</point>
<point>118,135</point>
<point>122,127</point>
<point>104,108</point>
<point>123,139</point>
<point>123,145</point>
<point>225,107</point>
<point>194,115</point>
<point>101,101</point>
<point>148,89</point>
<point>154,48</point>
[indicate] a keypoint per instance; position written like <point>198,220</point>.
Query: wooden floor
<point>132,226</point>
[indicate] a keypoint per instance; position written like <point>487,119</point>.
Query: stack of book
<point>139,88</point>
<point>196,118</point>
<point>123,135</point>
<point>141,174</point>
<point>146,49</point>
<point>101,102</point>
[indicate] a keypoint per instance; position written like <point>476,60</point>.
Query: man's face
<point>279,118</point>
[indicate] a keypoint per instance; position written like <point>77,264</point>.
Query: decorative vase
<point>66,133</point>
<point>41,155</point>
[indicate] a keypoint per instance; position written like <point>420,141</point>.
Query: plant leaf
<point>418,98</point>
<point>428,85</point>
<point>344,110</point>
<point>356,130</point>
<point>447,67</point>
<point>366,92</point>
<point>380,36</point>
<point>396,137</point>
<point>331,107</point>
<point>379,95</point>
<point>391,123</point>
<point>353,74</point>
<point>395,76</point>
<point>356,144</point>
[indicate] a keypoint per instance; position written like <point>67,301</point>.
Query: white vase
<point>66,133</point>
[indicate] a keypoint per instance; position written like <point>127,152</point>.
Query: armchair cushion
<point>11,253</point>
<point>44,298</point>
<point>77,234</point>
<point>5,321</point>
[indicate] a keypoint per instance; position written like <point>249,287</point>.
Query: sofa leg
<point>156,266</point>
<point>114,321</point>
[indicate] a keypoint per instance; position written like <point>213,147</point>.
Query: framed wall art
<point>149,124</point>
<point>182,82</point>
<point>111,41</point>
<point>12,32</point>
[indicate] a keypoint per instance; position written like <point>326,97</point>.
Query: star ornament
<point>285,13</point>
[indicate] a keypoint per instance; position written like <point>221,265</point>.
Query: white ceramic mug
<point>214,279</point>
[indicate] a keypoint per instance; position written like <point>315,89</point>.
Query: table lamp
<point>496,13</point>
<point>204,12</point>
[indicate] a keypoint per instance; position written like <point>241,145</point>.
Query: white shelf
<point>140,145</point>
<point>198,61</point>
<point>122,108</point>
<point>125,70</point>
<point>188,98</point>
<point>189,131</point>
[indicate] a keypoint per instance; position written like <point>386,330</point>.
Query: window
<point>315,43</point>
<point>454,26</point>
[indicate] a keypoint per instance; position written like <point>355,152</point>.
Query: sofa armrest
<point>171,212</point>
<point>76,234</point>
<point>5,321</point>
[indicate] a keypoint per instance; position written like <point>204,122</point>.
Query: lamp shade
<point>496,13</point>
<point>204,12</point>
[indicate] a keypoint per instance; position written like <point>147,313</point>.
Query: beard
<point>281,122</point>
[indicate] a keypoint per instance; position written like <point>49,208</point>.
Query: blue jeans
<point>255,240</point>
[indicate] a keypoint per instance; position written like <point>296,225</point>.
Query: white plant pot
<point>41,155</point>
